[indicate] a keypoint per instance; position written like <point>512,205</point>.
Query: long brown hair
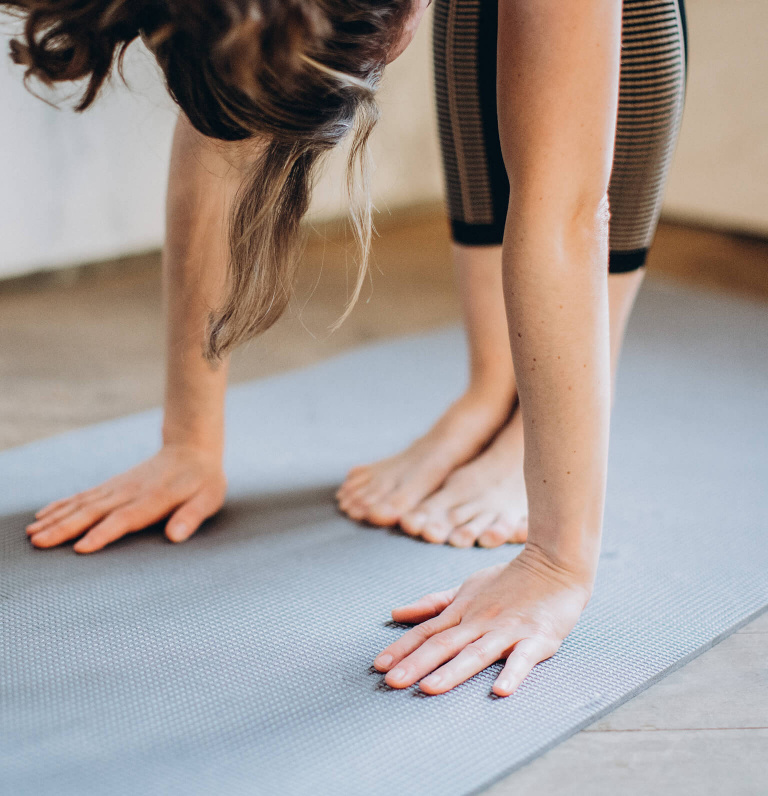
<point>296,76</point>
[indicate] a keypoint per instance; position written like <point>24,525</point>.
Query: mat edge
<point>644,686</point>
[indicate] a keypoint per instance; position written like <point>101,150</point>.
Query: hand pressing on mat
<point>520,611</point>
<point>184,483</point>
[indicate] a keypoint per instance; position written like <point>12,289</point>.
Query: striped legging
<point>651,95</point>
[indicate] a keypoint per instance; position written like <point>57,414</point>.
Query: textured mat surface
<point>239,663</point>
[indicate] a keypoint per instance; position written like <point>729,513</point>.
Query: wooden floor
<point>85,345</point>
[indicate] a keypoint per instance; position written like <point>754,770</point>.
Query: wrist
<point>207,441</point>
<point>575,565</point>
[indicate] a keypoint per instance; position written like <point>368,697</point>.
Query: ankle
<point>485,406</point>
<point>493,391</point>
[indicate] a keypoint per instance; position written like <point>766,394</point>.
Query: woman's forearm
<point>555,282</point>
<point>203,180</point>
<point>558,96</point>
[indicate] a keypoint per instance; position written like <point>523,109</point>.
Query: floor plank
<point>662,763</point>
<point>725,688</point>
<point>760,625</point>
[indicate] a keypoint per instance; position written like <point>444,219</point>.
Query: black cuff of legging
<point>477,234</point>
<point>619,262</point>
<point>623,262</point>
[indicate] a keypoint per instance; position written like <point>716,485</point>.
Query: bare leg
<point>485,500</point>
<point>382,492</point>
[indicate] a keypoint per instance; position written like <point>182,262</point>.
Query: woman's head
<point>294,76</point>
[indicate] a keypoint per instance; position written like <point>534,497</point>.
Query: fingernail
<point>432,681</point>
<point>397,674</point>
<point>178,533</point>
<point>383,661</point>
<point>505,685</point>
<point>418,521</point>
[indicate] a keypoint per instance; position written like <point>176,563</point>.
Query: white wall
<point>86,187</point>
<point>720,172</point>
<point>79,187</point>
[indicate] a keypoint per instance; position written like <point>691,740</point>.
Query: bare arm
<point>184,481</point>
<point>557,97</point>
<point>194,264</point>
<point>558,93</point>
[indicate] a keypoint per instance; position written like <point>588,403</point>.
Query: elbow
<point>590,215</point>
<point>579,219</point>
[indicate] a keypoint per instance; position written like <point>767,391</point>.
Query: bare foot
<point>483,501</point>
<point>383,492</point>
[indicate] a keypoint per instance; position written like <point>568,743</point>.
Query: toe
<point>393,506</point>
<point>464,513</point>
<point>461,537</point>
<point>358,472</point>
<point>429,519</point>
<point>520,534</point>
<point>354,483</point>
<point>383,513</point>
<point>366,501</point>
<point>516,527</point>
<point>495,535</point>
<point>413,522</point>
<point>466,535</point>
<point>436,531</point>
<point>357,505</point>
<point>348,502</point>
<point>355,511</point>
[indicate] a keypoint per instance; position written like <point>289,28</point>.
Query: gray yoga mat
<point>239,663</point>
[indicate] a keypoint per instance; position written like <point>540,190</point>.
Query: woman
<point>281,83</point>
